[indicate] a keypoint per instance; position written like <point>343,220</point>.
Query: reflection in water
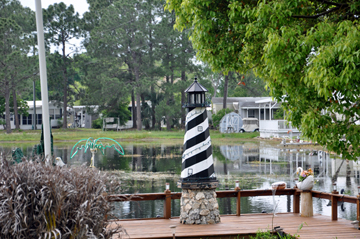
<point>255,165</point>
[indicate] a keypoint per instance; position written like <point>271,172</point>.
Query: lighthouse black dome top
<point>196,95</point>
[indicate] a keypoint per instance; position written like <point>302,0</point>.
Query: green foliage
<point>247,85</point>
<point>2,122</point>
<point>121,112</point>
<point>306,51</point>
<point>144,56</point>
<point>60,202</point>
<point>22,106</point>
<point>279,113</point>
<point>61,24</point>
<point>269,235</point>
<point>16,41</point>
<point>219,115</point>
<point>97,124</point>
<point>60,123</point>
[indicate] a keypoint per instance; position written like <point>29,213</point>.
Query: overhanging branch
<point>318,15</point>
<point>332,3</point>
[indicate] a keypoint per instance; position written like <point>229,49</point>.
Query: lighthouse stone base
<point>199,206</point>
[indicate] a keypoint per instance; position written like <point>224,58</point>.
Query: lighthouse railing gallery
<point>167,196</point>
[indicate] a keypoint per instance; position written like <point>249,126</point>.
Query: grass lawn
<point>73,135</point>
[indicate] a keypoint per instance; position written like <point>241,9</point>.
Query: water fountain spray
<point>94,145</point>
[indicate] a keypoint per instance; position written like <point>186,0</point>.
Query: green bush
<point>60,123</point>
<point>97,124</point>
<point>279,114</point>
<point>269,235</point>
<point>218,116</point>
<point>44,201</point>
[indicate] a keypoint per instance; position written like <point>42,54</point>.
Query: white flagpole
<point>43,80</point>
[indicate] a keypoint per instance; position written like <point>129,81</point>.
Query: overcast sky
<point>80,6</point>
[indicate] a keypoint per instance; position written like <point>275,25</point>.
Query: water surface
<point>256,165</point>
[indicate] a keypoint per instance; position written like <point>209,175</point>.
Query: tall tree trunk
<point>225,90</point>
<point>138,90</point>
<point>7,108</point>
<point>152,92</point>
<point>171,101</point>
<point>153,117</point>
<point>138,109</point>
<point>65,88</point>
<point>146,123</point>
<point>168,122</point>
<point>167,116</point>
<point>65,101</point>
<point>183,100</point>
<point>138,95</point>
<point>16,118</point>
<point>133,107</point>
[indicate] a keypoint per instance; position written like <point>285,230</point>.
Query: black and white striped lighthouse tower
<point>198,180</point>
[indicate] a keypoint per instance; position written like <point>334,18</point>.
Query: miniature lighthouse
<point>198,181</point>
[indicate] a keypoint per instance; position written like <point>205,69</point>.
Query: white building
<point>77,116</point>
<point>262,108</point>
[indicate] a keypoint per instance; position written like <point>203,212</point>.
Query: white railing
<point>276,125</point>
<point>283,124</point>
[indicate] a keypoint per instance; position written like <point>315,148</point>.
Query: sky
<point>80,6</point>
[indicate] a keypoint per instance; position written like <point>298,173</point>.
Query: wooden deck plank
<point>318,226</point>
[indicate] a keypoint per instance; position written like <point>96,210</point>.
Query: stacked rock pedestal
<point>199,207</point>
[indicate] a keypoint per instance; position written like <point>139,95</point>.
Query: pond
<point>146,169</point>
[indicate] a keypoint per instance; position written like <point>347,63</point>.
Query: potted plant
<point>306,179</point>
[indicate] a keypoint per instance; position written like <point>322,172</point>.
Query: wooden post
<point>238,202</point>
<point>358,209</point>
<point>296,202</point>
<point>167,204</point>
<point>306,204</point>
<point>334,206</point>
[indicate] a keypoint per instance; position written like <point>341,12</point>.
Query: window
<point>39,119</point>
<point>192,99</point>
<point>57,114</point>
<point>51,113</point>
<point>198,98</point>
<point>27,120</point>
<point>251,113</point>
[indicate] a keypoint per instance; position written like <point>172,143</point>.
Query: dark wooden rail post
<point>358,208</point>
<point>238,201</point>
<point>167,203</point>
<point>334,206</point>
<point>296,202</point>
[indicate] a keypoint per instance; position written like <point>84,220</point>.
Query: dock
<point>298,144</point>
<point>242,225</point>
<point>232,226</point>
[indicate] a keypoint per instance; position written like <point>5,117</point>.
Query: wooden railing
<point>167,196</point>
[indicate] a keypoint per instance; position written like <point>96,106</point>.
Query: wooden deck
<point>231,226</point>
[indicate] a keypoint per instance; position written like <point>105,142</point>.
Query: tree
<point>126,43</point>
<point>215,79</point>
<point>15,43</point>
<point>176,55</point>
<point>248,85</point>
<point>306,50</point>
<point>62,24</point>
<point>105,84</point>
<point>219,115</point>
